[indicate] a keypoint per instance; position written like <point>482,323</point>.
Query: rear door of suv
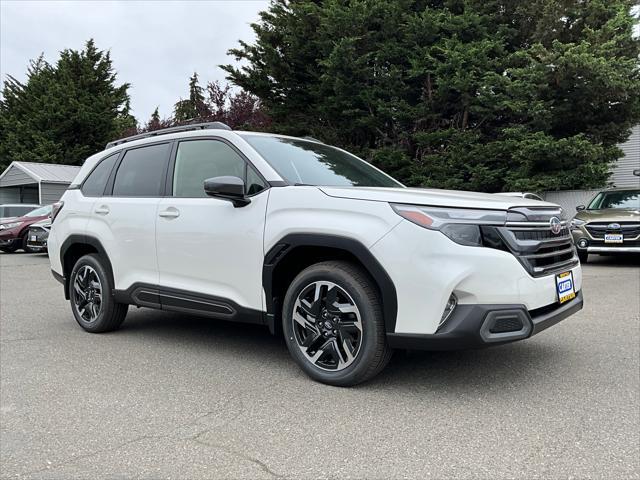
<point>210,253</point>
<point>123,218</point>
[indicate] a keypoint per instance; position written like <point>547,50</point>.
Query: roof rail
<point>165,131</point>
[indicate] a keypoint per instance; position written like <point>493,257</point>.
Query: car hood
<point>7,219</point>
<point>434,197</point>
<point>42,223</point>
<point>26,220</point>
<point>609,215</point>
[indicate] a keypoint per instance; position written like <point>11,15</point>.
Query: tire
<point>583,256</point>
<point>329,291</point>
<point>90,293</point>
<point>10,249</point>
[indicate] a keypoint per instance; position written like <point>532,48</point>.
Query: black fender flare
<point>81,239</point>
<point>292,240</point>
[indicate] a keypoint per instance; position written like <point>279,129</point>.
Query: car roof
<point>139,141</point>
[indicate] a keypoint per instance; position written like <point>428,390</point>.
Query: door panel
<point>126,228</point>
<point>124,218</point>
<point>213,248</point>
<point>205,245</point>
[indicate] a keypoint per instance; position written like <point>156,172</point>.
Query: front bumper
<point>37,238</point>
<point>426,267</point>
<point>621,249</point>
<point>475,326</point>
<point>586,242</point>
<point>8,237</point>
<point>7,242</point>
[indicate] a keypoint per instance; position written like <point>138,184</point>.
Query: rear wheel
<point>333,324</point>
<point>92,304</point>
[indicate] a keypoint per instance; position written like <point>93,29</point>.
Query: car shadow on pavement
<point>488,369</point>
<point>504,366</point>
<point>629,261</point>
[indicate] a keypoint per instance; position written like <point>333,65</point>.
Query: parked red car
<point>13,233</point>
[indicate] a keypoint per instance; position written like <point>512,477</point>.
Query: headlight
<point>461,225</point>
<point>576,222</point>
<point>6,226</point>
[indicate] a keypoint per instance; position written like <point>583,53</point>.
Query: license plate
<point>565,287</point>
<point>613,238</point>
<point>34,238</point>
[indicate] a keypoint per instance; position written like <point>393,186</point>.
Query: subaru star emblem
<point>555,225</point>
<point>613,226</point>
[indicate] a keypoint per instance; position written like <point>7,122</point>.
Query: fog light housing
<point>583,243</point>
<point>448,309</point>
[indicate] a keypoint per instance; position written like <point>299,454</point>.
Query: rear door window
<point>142,172</point>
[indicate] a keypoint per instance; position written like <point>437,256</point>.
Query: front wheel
<point>583,256</point>
<point>333,324</point>
<point>92,304</point>
<point>25,246</point>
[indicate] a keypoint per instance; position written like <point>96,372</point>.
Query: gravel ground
<point>170,396</point>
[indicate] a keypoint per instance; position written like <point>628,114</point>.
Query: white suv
<point>310,241</point>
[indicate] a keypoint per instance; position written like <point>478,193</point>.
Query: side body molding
<point>290,242</point>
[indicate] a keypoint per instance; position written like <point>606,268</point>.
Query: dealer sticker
<point>565,287</point>
<point>613,238</point>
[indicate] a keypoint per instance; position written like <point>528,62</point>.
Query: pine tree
<point>65,112</point>
<point>221,104</point>
<point>482,95</point>
<point>194,108</point>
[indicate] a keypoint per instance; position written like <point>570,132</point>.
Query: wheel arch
<point>76,246</point>
<point>296,251</point>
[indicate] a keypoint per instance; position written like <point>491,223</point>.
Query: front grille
<point>539,234</point>
<point>534,244</point>
<point>627,229</point>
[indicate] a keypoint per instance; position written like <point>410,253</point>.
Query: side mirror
<point>229,188</point>
<point>579,208</point>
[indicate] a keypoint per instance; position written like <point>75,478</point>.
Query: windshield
<point>14,211</point>
<point>622,199</point>
<point>40,212</point>
<point>309,163</point>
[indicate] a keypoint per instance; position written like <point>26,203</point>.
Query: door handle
<point>170,213</point>
<point>102,210</point>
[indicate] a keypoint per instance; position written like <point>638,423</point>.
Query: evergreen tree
<point>65,112</point>
<point>194,108</point>
<point>221,104</point>
<point>481,95</point>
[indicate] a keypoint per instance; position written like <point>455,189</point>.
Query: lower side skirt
<point>183,301</point>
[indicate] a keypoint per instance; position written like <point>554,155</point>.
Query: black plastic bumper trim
<point>58,277</point>
<point>469,326</point>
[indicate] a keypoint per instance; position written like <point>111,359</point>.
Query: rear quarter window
<point>96,182</point>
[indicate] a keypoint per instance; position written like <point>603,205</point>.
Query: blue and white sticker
<point>565,287</point>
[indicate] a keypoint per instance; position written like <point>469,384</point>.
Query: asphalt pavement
<point>174,396</point>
